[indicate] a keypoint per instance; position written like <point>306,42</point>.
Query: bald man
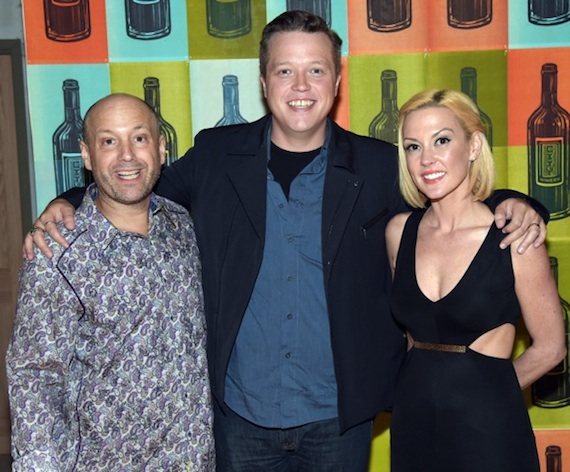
<point>107,366</point>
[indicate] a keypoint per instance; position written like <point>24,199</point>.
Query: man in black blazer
<point>290,213</point>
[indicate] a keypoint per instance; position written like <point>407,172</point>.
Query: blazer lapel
<point>342,187</point>
<point>249,179</point>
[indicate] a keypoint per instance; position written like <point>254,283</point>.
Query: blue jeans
<point>242,446</point>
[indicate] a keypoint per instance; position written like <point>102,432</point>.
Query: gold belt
<point>440,347</point>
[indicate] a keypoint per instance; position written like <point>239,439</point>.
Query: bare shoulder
<point>395,226</point>
<point>394,230</point>
<point>533,264</point>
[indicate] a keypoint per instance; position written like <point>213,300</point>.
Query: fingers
<point>533,234</point>
<point>36,237</point>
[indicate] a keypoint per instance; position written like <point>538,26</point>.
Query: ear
<point>337,84</point>
<point>162,149</point>
<point>85,155</point>
<point>263,85</point>
<point>475,145</point>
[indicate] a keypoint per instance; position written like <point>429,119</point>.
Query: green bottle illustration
<point>384,126</point>
<point>548,139</point>
<point>151,86</point>
<point>228,19</point>
<point>469,88</point>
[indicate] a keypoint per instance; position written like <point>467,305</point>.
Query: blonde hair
<point>482,169</point>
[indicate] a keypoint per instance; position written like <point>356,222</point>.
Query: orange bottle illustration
<point>387,16</point>
<point>67,20</point>
<point>468,14</point>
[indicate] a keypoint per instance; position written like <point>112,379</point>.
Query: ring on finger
<point>48,222</point>
<point>532,224</point>
<point>35,228</point>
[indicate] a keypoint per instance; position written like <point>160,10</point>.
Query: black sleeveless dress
<point>458,412</point>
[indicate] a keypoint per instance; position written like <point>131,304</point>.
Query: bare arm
<point>394,230</point>
<point>542,314</point>
<point>58,210</point>
<point>526,226</point>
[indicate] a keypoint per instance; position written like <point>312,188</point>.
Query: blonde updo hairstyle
<point>482,169</point>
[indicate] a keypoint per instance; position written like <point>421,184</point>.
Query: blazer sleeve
<point>500,195</point>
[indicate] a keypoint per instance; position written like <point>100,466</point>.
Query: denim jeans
<point>242,446</point>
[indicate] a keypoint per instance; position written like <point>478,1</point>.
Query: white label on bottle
<point>73,170</point>
<point>550,161</point>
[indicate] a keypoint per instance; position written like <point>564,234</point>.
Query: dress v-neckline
<point>463,276</point>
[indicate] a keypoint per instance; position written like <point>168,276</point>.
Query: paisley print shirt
<point>107,364</point>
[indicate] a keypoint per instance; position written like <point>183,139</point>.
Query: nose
<point>127,152</point>
<point>301,83</point>
<point>426,157</point>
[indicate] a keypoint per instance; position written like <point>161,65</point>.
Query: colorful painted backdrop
<point>195,61</point>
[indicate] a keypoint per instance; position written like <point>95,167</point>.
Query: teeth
<point>300,103</point>
<point>434,176</point>
<point>129,174</point>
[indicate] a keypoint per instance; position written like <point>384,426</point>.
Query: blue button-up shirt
<point>281,371</point>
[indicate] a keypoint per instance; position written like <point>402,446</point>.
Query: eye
<point>141,138</point>
<point>317,71</point>
<point>411,147</point>
<point>284,72</point>
<point>442,140</point>
<point>106,142</point>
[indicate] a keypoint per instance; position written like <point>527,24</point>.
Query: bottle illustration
<point>228,18</point>
<point>151,86</point>
<point>67,20</point>
<point>553,459</point>
<point>68,165</point>
<point>384,126</point>
<point>552,390</point>
<point>387,16</point>
<point>147,19</point>
<point>548,139</point>
<point>548,12</point>
<point>469,88</point>
<point>232,115</point>
<point>468,14</point>
<point>320,8</point>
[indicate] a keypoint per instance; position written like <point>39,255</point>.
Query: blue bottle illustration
<point>320,8</point>
<point>68,165</point>
<point>147,19</point>
<point>548,12</point>
<point>232,115</point>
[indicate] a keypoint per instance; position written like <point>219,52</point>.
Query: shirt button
<point>288,355</point>
<point>289,316</point>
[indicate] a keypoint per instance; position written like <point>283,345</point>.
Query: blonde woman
<point>458,400</point>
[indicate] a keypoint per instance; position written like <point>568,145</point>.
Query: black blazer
<point>222,181</point>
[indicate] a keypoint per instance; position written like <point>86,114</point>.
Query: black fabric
<point>452,411</point>
<point>285,165</point>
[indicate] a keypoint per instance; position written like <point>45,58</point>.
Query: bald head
<point>117,101</point>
